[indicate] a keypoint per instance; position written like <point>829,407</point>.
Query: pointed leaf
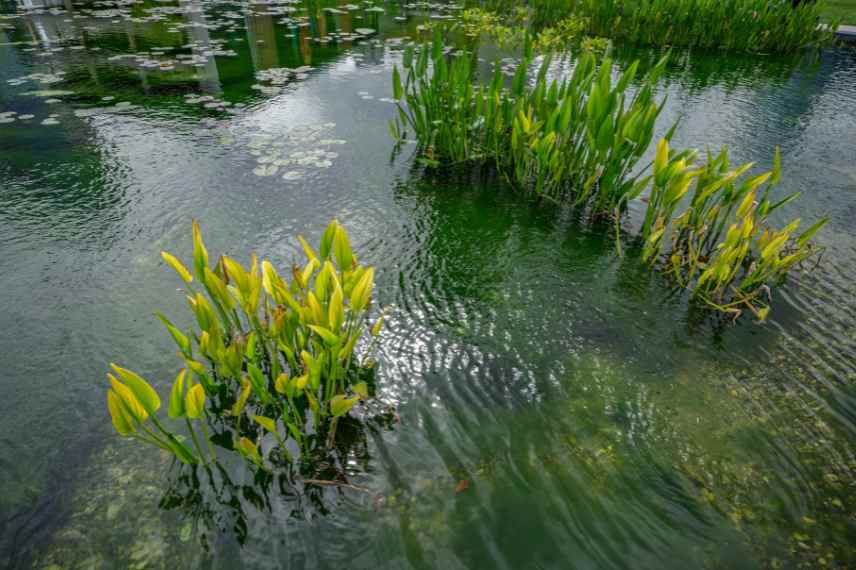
<point>249,450</point>
<point>340,405</point>
<point>121,420</point>
<point>194,402</point>
<point>242,398</point>
<point>177,266</point>
<point>342,249</point>
<point>361,389</point>
<point>180,339</point>
<point>176,396</point>
<point>362,292</point>
<point>141,389</point>
<point>267,423</point>
<point>200,254</point>
<point>281,383</point>
<point>328,337</point>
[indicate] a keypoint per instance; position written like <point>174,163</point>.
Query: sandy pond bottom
<point>559,407</point>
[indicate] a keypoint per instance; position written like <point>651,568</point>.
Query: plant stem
<point>208,441</point>
<point>195,441</point>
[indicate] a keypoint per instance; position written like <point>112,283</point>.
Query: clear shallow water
<point>595,420</point>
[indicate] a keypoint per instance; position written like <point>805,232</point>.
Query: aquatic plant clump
<point>574,140</point>
<point>740,25</point>
<point>722,246</point>
<point>578,142</point>
<point>570,32</point>
<point>269,355</point>
<point>477,23</point>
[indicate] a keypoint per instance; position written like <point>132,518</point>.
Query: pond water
<point>559,406</point>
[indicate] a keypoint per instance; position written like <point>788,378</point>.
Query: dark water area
<point>558,406</point>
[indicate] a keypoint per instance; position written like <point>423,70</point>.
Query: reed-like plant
<point>740,25</point>
<point>574,140</point>
<point>270,354</point>
<point>722,246</point>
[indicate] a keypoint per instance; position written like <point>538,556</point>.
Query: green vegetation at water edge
<point>269,356</point>
<point>842,10</point>
<point>737,25</point>
<point>742,25</point>
<point>579,141</point>
<point>510,30</point>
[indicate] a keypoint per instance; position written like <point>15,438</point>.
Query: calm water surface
<point>559,406</point>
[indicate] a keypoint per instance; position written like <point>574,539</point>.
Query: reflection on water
<point>558,405</point>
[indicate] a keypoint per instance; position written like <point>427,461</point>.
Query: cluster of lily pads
<point>212,103</point>
<point>272,365</point>
<point>277,77</point>
<point>278,155</point>
<point>41,78</point>
<point>155,59</point>
<point>355,36</point>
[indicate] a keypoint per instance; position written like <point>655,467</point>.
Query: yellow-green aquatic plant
<point>478,23</point>
<point>269,354</point>
<point>567,33</point>
<point>576,140</point>
<point>722,246</point>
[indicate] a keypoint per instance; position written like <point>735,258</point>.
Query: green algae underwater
<point>555,405</point>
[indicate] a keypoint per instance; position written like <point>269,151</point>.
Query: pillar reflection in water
<point>261,35</point>
<point>208,74</point>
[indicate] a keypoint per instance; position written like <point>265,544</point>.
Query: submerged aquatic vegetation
<point>723,246</point>
<point>270,355</point>
<point>574,140</point>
